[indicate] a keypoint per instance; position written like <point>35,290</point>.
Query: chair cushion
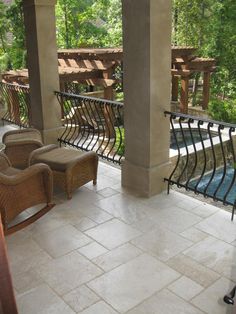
<point>60,158</point>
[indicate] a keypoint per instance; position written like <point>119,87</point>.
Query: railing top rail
<point>15,85</point>
<point>74,96</point>
<point>186,116</point>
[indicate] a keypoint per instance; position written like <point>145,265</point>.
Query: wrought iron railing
<point>203,153</point>
<point>16,99</point>
<point>93,124</point>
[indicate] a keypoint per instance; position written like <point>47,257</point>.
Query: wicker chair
<point>22,189</point>
<point>19,144</point>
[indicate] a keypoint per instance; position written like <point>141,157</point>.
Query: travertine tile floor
<point>106,251</point>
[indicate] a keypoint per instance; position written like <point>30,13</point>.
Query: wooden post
<point>108,114</point>
<point>14,106</point>
<point>184,94</point>
<point>7,298</point>
<point>175,88</point>
<point>206,90</point>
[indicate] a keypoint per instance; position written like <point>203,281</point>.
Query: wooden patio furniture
<point>7,298</point>
<point>71,168</point>
<point>23,189</point>
<point>19,144</point>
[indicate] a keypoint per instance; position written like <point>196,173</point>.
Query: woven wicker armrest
<point>25,174</point>
<point>21,131</point>
<point>15,143</point>
<point>4,161</point>
<point>38,151</point>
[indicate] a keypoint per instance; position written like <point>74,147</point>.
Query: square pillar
<point>40,25</point>
<point>147,93</point>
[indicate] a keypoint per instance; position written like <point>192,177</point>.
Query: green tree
<point>4,58</point>
<point>17,48</point>
<point>209,25</point>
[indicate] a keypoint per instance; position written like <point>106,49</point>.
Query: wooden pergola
<point>96,67</point>
<point>184,64</point>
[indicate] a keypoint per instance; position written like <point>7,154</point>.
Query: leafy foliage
<point>17,48</point>
<point>88,23</point>
<point>223,110</point>
<point>209,25</point>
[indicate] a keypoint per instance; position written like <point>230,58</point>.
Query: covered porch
<point>107,251</point>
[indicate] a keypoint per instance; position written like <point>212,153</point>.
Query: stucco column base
<point>145,182</point>
<point>50,136</point>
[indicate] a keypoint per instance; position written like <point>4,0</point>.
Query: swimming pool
<point>188,138</point>
<point>229,177</point>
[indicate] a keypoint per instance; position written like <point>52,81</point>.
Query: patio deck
<point>106,252</point>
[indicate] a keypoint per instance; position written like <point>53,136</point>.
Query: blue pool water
<point>188,138</point>
<point>215,182</point>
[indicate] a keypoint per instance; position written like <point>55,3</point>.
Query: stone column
<point>147,89</point>
<point>42,61</point>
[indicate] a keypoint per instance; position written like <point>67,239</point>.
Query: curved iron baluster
<point>200,123</point>
<point>69,124</point>
<point>111,122</point>
<point>187,151</point>
<point>172,117</point>
<point>231,130</point>
<point>191,120</point>
<point>107,129</point>
<point>210,125</point>
<point>101,138</point>
<point>61,138</point>
<point>75,125</point>
<point>229,298</point>
<point>87,118</point>
<point>120,135</point>
<point>92,116</point>
<point>221,127</point>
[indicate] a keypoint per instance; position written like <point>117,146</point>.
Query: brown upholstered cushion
<point>60,158</point>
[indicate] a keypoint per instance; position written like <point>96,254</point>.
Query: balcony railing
<point>204,157</point>
<point>17,100</point>
<point>93,124</point>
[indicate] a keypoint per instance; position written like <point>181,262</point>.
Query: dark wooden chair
<point>7,298</point>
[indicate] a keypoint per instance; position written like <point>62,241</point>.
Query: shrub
<point>223,110</point>
<point>120,141</point>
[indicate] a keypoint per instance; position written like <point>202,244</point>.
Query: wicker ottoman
<point>71,168</point>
